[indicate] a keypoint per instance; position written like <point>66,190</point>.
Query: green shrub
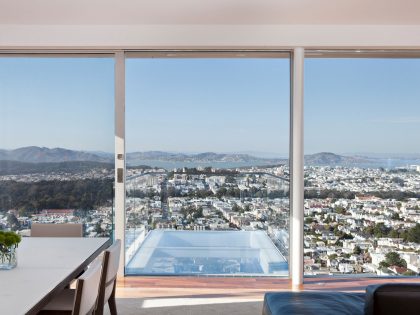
<point>9,239</point>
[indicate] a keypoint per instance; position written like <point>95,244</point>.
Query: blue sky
<point>362,105</point>
<point>220,105</point>
<point>65,103</point>
<point>201,105</point>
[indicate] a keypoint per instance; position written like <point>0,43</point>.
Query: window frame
<point>297,57</point>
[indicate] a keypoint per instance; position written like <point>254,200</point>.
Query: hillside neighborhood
<point>357,220</point>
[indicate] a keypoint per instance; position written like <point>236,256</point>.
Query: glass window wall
<point>57,142</point>
<point>207,166</point>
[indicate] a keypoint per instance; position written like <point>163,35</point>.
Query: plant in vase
<point>9,242</point>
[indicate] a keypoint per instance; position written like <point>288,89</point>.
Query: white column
<point>296,170</point>
<point>120,155</point>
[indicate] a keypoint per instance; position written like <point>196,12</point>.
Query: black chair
<point>57,230</point>
<point>82,300</point>
<point>107,286</point>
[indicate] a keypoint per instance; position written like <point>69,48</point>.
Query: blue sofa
<point>384,299</point>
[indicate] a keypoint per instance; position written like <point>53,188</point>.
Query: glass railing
<point>240,253</point>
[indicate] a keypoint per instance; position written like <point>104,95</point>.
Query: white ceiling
<point>210,12</point>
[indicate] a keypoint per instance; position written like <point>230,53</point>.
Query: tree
<point>393,259</point>
<point>383,264</point>
<point>398,181</point>
<point>409,273</point>
<point>198,213</point>
<point>413,234</point>
<point>340,210</point>
<point>236,208</point>
<point>332,256</point>
<point>23,212</point>
<point>98,228</point>
<point>309,220</point>
<point>369,230</point>
<point>336,231</point>
<point>346,236</point>
<point>202,193</point>
<point>380,230</point>
<point>393,234</point>
<point>357,250</point>
<point>13,222</point>
<point>221,192</point>
<point>83,194</point>
<point>395,216</point>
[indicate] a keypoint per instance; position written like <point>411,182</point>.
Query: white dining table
<point>45,266</point>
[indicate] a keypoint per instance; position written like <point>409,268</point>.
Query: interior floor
<point>208,295</point>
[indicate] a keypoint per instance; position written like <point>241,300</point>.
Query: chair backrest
<point>87,289</point>
<point>111,262</point>
<point>57,230</point>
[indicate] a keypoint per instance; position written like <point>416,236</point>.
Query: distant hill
<point>35,154</point>
<point>206,157</point>
<point>17,168</point>
<point>331,159</point>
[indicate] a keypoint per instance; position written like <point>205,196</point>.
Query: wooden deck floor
<point>209,287</point>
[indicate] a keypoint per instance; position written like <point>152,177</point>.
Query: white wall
<point>215,36</point>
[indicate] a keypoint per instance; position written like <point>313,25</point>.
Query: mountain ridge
<point>34,154</point>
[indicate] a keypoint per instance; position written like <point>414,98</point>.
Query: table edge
<point>46,299</point>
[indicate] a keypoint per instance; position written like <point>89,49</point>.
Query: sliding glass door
<point>207,142</point>
<point>57,142</point>
<point>362,176</point>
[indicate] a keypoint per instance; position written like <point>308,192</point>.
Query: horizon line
<point>268,155</point>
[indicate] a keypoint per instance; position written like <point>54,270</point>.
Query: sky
<point>218,105</point>
<point>52,102</point>
<point>362,105</point>
<point>203,105</point>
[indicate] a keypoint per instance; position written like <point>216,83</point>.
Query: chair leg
<point>99,310</point>
<point>111,301</point>
<point>112,306</point>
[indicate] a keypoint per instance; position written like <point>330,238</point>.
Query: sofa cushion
<point>393,298</point>
<point>316,303</point>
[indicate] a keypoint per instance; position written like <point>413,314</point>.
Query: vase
<point>8,257</point>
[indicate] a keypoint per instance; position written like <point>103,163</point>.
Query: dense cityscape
<point>357,220</point>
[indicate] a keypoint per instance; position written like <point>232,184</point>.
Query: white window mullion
<point>297,171</point>
<point>120,155</point>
